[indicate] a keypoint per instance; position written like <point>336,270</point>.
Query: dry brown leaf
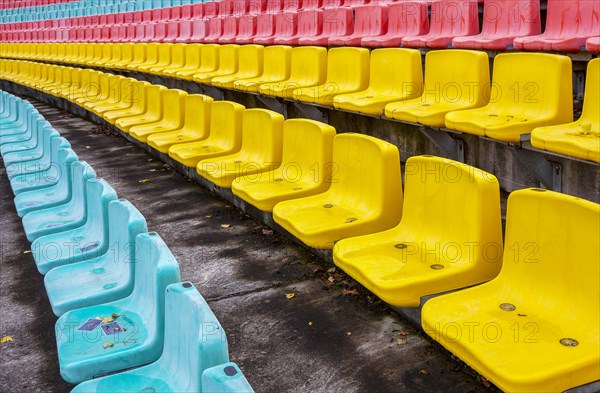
<point>401,341</point>
<point>208,216</point>
<point>331,270</point>
<point>424,372</point>
<point>290,295</point>
<point>27,252</point>
<point>6,339</point>
<point>107,319</point>
<point>349,292</point>
<point>331,279</point>
<point>107,344</point>
<point>143,181</point>
<point>267,232</point>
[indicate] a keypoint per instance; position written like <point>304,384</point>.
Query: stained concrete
<point>324,339</point>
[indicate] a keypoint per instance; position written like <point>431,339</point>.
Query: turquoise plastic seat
<point>86,242</point>
<point>106,278</point>
<point>25,139</point>
<point>64,217</point>
<point>136,334</point>
<point>19,126</point>
<point>194,342</point>
<point>225,378</point>
<point>46,177</point>
<point>15,113</point>
<point>55,195</point>
<point>31,150</point>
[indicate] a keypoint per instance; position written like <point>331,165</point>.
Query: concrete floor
<point>326,338</point>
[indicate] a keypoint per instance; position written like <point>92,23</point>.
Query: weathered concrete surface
<point>245,272</point>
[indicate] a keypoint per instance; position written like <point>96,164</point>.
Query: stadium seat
<point>106,278</point>
<point>347,72</point>
<point>454,80</point>
<point>55,195</point>
<point>337,22</point>
<point>225,378</point>
<point>246,29</point>
<point>22,135</point>
<point>286,25</point>
<point>406,18</point>
<point>132,329</point>
<point>225,136</point>
<point>78,244</point>
<point>523,97</point>
<point>138,99</point>
<point>191,56</point>
<point>308,68</point>
<point>199,30</point>
<point>365,195</point>
<point>305,166</point>
<point>580,139</point>
<point>165,57</point>
<point>208,58</point>
<point>215,29</point>
<point>264,29</point>
<point>177,60</point>
<point>261,149</point>
<point>395,75</point>
<point>227,64</point>
<point>568,25</point>
<point>151,109</point>
<point>171,119</point>
<point>276,68</point>
<point>230,30</point>
<point>250,66</point>
<point>310,24</point>
<point>125,90</point>
<point>451,218</point>
<point>509,329</point>
<point>449,19</point>
<point>194,342</point>
<point>369,20</point>
<point>64,217</point>
<point>503,21</point>
<point>593,45</point>
<point>196,123</point>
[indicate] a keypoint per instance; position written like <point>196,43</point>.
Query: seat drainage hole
<point>278,179</point>
<point>569,342</point>
<point>437,266</point>
<point>230,371</point>
<point>328,206</point>
<point>401,246</point>
<point>186,285</point>
<point>351,219</point>
<point>148,390</point>
<point>297,188</point>
<point>507,307</point>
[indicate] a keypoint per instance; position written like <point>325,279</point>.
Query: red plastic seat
<point>215,29</point>
<point>369,20</point>
<point>265,27</point>
<point>198,11</point>
<point>172,31</point>
<point>140,33</point>
<point>449,19</point>
<point>407,18</point>
<point>185,31</point>
<point>569,23</point>
<point>246,29</point>
<point>273,6</point>
<point>286,25</point>
<point>337,21</point>
<point>186,11</point>
<point>160,32</point>
<point>312,4</point>
<point>130,33</point>
<point>503,21</point>
<point>292,5</point>
<point>235,7</point>
<point>593,45</point>
<point>310,24</point>
<point>157,15</point>
<point>230,29</point>
<point>211,9</point>
<point>199,30</point>
<point>226,7</point>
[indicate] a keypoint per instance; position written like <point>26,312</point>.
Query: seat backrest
<point>347,68</point>
<point>156,270</point>
<point>228,58</point>
<point>152,53</point>
<point>307,151</point>
<point>370,20</point>
<point>209,57</point>
<point>520,87</point>
<point>456,76</point>
<point>310,22</point>
<point>265,25</point>
<point>277,62</point>
<point>197,109</point>
<point>309,64</point>
<point>552,247</point>
<point>262,136</point>
<point>252,60</point>
<point>511,17</point>
<point>177,55</point>
<point>154,100</point>
<point>164,54</point>
<point>371,182</point>
<point>408,18</point>
<point>81,172</point>
<point>286,24</point>
<point>230,26</point>
<point>396,72</point>
<point>127,53</point>
<point>591,99</point>
<point>454,204</point>
<point>226,125</point>
<point>337,21</point>
<point>66,158</point>
<point>247,26</point>
<point>575,18</point>
<point>98,195</point>
<point>192,55</point>
<point>454,18</point>
<point>215,27</point>
<point>195,340</point>
<point>173,107</point>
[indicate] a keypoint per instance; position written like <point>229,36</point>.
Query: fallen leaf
<point>115,316</point>
<point>225,225</point>
<point>310,323</point>
<point>331,279</point>
<point>401,333</point>
<point>152,170</point>
<point>424,372</point>
<point>349,334</point>
<point>6,339</point>
<point>227,206</point>
<point>332,270</point>
<point>267,231</point>
<point>150,160</point>
<point>107,319</point>
<point>401,341</point>
<point>349,292</point>
<point>290,295</point>
<point>27,252</point>
<point>144,181</point>
<point>107,344</point>
<point>88,147</point>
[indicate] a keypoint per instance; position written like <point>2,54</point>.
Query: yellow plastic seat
<point>276,68</point>
<point>191,60</point>
<point>308,68</point>
<point>262,134</point>
<point>225,136</point>
<point>305,165</point>
<point>152,109</point>
<point>250,66</point>
<point>139,56</point>
<point>138,100</point>
<point>365,195</point>
<point>580,139</point>
<point>196,124</point>
<point>151,58</point>
<point>209,62</point>
<point>67,81</point>
<point>451,220</point>
<point>127,53</point>
<point>395,75</point>
<point>529,90</point>
<point>105,56</point>
<point>454,80</point>
<point>534,328</point>
<point>108,92</point>
<point>171,119</point>
<point>91,90</point>
<point>177,56</point>
<point>347,72</point>
<point>115,56</point>
<point>227,65</point>
<point>165,57</point>
<point>123,98</point>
